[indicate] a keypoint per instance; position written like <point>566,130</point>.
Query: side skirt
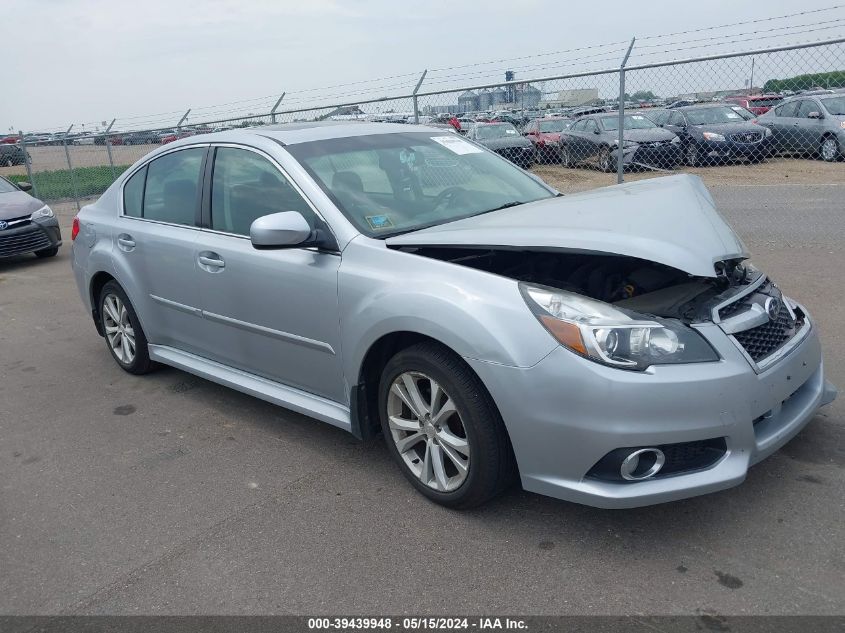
<point>294,399</point>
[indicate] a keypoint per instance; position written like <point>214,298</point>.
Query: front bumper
<point>666,156</point>
<point>565,413</point>
<point>735,149</point>
<point>30,237</point>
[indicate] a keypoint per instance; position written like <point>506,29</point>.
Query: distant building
<point>573,98</point>
<point>468,102</point>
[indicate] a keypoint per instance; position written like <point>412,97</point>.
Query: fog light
<point>642,464</point>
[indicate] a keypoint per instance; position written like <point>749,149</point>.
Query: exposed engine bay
<point>635,284</point>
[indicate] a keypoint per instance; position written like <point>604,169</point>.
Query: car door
<point>809,130</point>
<point>154,242</point>
<point>273,313</point>
<point>785,126</point>
<point>590,140</point>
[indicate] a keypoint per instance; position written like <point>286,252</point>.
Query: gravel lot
<point>169,494</point>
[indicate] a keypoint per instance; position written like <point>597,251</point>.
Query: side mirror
<point>24,186</point>
<point>596,131</point>
<point>815,115</point>
<point>281,230</point>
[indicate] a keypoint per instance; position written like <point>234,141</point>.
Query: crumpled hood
<point>729,128</point>
<point>671,221</point>
<point>648,135</point>
<point>16,204</point>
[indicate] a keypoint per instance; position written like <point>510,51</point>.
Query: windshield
<point>632,122</point>
<point>835,105</point>
<point>6,186</point>
<point>558,125</point>
<point>393,183</point>
<point>497,130</point>
<point>710,116</point>
<point>745,114</point>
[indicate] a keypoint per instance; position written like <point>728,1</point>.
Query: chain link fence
<point>737,117</point>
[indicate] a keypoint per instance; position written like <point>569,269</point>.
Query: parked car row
<point>696,135</point>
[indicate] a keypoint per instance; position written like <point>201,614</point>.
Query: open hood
<point>671,221</point>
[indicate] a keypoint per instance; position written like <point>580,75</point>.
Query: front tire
<point>829,149</point>
<point>124,336</point>
<point>692,155</point>
<point>442,428</point>
<point>605,162</point>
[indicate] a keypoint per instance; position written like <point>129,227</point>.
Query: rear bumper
<point>565,413</point>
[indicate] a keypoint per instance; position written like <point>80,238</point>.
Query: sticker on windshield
<point>637,117</point>
<point>379,222</point>
<point>733,115</point>
<point>457,145</point>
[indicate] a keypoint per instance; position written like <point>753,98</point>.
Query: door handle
<point>211,261</point>
<point>125,242</point>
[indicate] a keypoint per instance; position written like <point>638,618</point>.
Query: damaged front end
<point>623,275</point>
<point>619,311</point>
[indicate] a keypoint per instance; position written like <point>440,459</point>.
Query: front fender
<point>477,314</point>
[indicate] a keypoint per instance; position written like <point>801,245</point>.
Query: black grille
<point>23,242</point>
<point>763,340</point>
<point>732,309</point>
<point>746,137</point>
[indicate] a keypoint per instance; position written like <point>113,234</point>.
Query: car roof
<point>552,118</point>
<point>699,106</point>
<point>304,132</point>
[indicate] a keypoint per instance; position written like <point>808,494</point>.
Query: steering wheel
<point>448,195</point>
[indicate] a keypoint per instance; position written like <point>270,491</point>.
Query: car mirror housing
<point>287,229</point>
<point>24,186</point>
<point>815,115</point>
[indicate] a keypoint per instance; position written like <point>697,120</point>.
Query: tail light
<point>74,229</point>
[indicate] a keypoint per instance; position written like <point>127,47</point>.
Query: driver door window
<point>246,186</point>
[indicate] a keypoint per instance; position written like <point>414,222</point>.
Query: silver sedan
<point>613,348</point>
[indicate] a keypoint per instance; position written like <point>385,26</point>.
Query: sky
<point>147,61</point>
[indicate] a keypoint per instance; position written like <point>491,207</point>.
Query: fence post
<point>416,89</point>
<point>182,120</point>
<point>276,107</point>
<point>70,168</point>
<point>620,165</point>
<point>26,161</point>
<point>108,149</point>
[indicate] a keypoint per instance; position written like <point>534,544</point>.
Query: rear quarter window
<point>133,193</point>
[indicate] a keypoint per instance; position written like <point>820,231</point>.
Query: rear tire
<point>565,157</point>
<point>451,444</point>
<point>124,336</point>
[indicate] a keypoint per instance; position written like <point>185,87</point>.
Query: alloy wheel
<point>428,431</point>
<point>604,159</point>
<point>119,331</point>
<point>692,155</point>
<point>829,149</point>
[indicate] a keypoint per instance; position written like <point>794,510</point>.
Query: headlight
<point>624,143</point>
<point>768,132</point>
<point>676,140</point>
<point>712,136</point>
<point>613,336</point>
<point>43,212</point>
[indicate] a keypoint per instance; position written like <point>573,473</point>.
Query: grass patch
<point>58,184</point>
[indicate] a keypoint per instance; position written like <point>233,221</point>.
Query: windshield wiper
<point>507,205</point>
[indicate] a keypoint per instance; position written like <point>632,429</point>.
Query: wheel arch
<point>95,287</point>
